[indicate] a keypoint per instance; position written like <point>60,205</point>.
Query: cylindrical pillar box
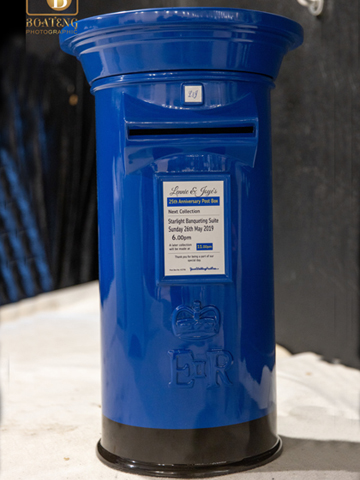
<point>185,234</point>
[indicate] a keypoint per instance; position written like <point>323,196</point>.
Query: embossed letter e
<point>185,369</point>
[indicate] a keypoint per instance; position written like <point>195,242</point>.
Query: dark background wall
<point>316,160</point>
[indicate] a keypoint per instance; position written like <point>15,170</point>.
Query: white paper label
<point>194,242</point>
<point>193,93</point>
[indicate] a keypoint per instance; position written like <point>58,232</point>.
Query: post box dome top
<point>173,39</point>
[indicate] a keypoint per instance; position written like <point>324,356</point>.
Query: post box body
<point>185,248</point>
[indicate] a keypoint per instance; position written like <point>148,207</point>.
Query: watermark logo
<point>49,17</point>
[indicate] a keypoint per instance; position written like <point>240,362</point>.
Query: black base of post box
<point>192,453</point>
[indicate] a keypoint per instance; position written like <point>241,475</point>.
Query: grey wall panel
<point>316,175</point>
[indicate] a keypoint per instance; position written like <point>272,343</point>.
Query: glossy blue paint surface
<point>171,39</point>
<point>184,352</point>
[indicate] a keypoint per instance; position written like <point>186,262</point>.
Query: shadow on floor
<point>316,455</point>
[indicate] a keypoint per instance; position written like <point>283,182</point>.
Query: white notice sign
<point>194,242</point>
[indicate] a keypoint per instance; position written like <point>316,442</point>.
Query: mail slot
<point>185,234</point>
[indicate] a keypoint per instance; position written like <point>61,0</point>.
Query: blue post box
<point>185,234</point>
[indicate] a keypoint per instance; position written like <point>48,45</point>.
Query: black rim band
<point>186,471</point>
<point>204,451</point>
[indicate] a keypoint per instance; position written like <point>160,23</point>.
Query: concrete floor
<point>51,405</point>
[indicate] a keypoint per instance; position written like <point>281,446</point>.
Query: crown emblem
<point>195,323</point>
